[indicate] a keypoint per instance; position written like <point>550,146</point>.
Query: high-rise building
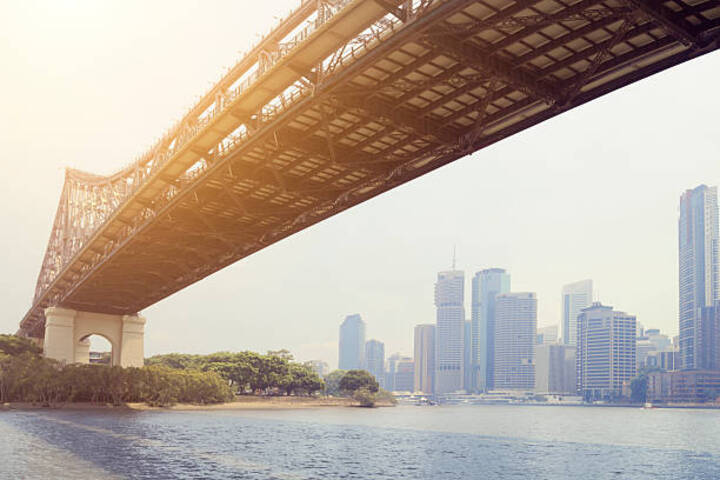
<point>547,335</point>
<point>352,343</point>
<point>467,357</point>
<point>698,266</point>
<point>400,375</point>
<point>575,297</point>
<point>450,327</point>
<point>606,351</point>
<point>555,369</point>
<point>424,358</point>
<point>375,360</point>
<point>515,335</point>
<point>486,285</point>
<point>708,342</point>
<point>404,380</point>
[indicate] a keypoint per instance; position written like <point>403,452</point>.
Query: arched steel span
<point>343,100</point>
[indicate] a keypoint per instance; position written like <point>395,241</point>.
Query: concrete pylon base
<point>67,332</point>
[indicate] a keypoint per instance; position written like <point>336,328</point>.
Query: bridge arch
<point>67,332</point>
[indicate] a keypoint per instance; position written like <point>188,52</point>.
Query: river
<point>458,442</point>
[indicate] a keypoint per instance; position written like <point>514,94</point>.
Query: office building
<point>686,386</point>
<point>555,369</point>
<point>319,367</point>
<point>375,360</point>
<point>467,357</point>
<point>424,358</point>
<point>606,351</point>
<point>515,335</point>
<point>575,297</point>
<point>708,338</point>
<point>547,335</point>
<point>486,284</point>
<point>449,332</point>
<point>352,343</point>
<point>698,267</point>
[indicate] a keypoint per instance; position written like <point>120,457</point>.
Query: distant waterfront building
<point>400,376</point>
<point>404,375</point>
<point>708,341</point>
<point>467,357</point>
<point>375,360</point>
<point>555,369</point>
<point>486,284</point>
<point>687,386</point>
<point>515,335</point>
<point>352,343</point>
<point>450,327</point>
<point>424,358</point>
<point>698,267</point>
<point>606,351</point>
<point>547,335</point>
<point>319,367</point>
<point>575,297</point>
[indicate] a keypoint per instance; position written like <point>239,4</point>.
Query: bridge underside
<point>443,82</point>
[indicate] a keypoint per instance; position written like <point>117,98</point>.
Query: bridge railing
<point>88,201</point>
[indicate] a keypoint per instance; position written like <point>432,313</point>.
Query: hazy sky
<point>590,194</point>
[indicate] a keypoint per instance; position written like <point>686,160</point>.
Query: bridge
<point>341,101</point>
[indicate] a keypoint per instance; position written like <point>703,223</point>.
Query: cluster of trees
<point>358,384</point>
<point>250,373</point>
<point>25,376</point>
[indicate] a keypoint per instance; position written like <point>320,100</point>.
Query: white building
<point>575,297</point>
<point>449,331</point>
<point>606,351</point>
<point>515,335</point>
<point>424,358</point>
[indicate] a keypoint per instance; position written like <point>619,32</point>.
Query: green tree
<point>14,345</point>
<point>354,380</point>
<point>364,397</point>
<point>332,382</point>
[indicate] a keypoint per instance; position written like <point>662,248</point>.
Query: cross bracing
<point>342,101</point>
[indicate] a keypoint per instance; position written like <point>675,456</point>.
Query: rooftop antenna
<point>453,263</point>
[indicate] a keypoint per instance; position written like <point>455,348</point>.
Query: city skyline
<point>507,205</point>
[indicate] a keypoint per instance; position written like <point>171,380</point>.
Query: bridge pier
<point>67,332</point>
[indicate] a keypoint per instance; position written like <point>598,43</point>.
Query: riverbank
<point>241,403</point>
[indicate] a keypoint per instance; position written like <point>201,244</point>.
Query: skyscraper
<point>708,342</point>
<point>555,369</point>
<point>515,327</point>
<point>547,335</point>
<point>606,351</point>
<point>575,297</point>
<point>486,285</point>
<point>450,327</point>
<point>375,360</point>
<point>424,358</point>
<point>352,343</point>
<point>467,357</point>
<point>698,266</point>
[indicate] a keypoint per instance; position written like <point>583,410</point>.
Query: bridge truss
<point>342,101</point>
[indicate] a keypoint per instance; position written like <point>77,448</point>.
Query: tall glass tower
<point>575,297</point>
<point>449,332</point>
<point>352,343</point>
<point>698,267</point>
<point>486,285</point>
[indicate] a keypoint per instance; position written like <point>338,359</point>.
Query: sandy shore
<point>242,403</point>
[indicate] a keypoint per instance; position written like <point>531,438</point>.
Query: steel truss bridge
<point>343,100</point>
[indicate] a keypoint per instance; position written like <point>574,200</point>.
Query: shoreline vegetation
<point>230,379</point>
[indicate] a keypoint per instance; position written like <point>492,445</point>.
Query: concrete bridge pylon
<point>67,335</point>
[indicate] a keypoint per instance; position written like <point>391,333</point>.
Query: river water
<point>458,442</point>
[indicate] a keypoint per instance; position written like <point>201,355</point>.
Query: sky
<point>592,193</point>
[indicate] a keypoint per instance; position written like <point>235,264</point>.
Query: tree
<point>354,380</point>
<point>14,345</point>
<point>364,397</point>
<point>332,382</point>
